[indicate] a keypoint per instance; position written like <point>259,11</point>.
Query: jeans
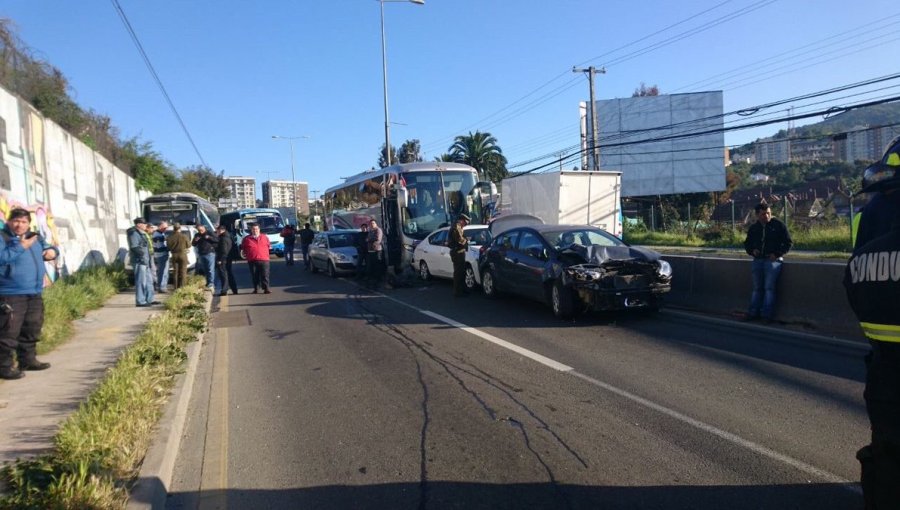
<point>305,249</point>
<point>289,253</point>
<point>143,284</point>
<point>162,269</point>
<point>765,276</point>
<point>206,263</point>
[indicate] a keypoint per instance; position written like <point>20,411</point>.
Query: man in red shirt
<point>256,249</point>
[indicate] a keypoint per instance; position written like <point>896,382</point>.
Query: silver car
<point>334,251</point>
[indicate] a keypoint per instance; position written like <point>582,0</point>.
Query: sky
<point>239,72</point>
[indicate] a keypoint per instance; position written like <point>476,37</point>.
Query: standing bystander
<point>205,242</point>
<point>306,238</point>
<point>22,273</point>
<point>161,257</point>
<point>139,251</point>
<point>374,252</point>
<point>290,238</point>
<point>256,249</point>
<point>768,240</point>
<point>224,252</point>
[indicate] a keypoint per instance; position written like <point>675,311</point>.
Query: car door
<point>439,255</point>
<point>318,252</point>
<point>528,262</point>
<point>501,259</point>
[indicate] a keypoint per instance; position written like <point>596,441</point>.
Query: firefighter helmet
<point>885,174</point>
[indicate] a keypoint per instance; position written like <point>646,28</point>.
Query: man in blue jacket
<point>139,250</point>
<point>22,271</point>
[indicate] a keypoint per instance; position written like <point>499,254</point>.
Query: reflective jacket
<point>872,279</point>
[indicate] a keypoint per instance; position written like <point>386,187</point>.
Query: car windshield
<point>342,240</point>
<point>585,237</point>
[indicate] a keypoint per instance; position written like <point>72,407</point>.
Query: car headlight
<point>341,257</point>
<point>665,269</point>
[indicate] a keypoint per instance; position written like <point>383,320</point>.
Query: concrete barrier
<point>810,294</point>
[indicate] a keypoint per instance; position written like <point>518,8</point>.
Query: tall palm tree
<point>480,151</point>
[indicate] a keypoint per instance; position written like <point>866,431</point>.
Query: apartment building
<point>242,193</point>
<point>279,194</point>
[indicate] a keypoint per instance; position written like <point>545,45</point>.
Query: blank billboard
<point>661,164</point>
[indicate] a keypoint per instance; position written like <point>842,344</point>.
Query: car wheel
<point>488,284</point>
<point>332,272</point>
<point>424,273</point>
<point>470,278</point>
<point>562,301</point>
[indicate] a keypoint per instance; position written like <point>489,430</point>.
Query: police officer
<point>872,279</point>
<point>458,245</point>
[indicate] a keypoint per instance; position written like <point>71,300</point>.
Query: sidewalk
<point>32,408</point>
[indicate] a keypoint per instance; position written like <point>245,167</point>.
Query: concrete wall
<point>80,201</point>
<point>810,294</point>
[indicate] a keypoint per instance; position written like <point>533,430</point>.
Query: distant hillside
<point>878,115</point>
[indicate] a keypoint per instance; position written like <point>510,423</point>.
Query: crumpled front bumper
<point>623,287</point>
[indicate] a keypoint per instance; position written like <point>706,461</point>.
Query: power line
<point>156,78</point>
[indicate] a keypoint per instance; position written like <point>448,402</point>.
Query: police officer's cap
<point>465,217</point>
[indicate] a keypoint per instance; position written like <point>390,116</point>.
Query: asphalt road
<point>326,395</point>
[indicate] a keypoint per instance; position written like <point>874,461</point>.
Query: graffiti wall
<point>79,201</point>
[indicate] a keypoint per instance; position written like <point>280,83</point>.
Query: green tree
<point>480,151</point>
<point>410,151</point>
<point>382,157</point>
<point>203,181</point>
<point>444,157</point>
<point>150,171</point>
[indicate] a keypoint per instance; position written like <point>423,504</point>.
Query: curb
<point>150,491</point>
<point>769,330</point>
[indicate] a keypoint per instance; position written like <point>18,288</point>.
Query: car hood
<point>601,254</point>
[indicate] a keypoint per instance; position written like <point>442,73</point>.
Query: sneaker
<point>256,291</point>
<point>11,373</point>
<point>234,292</point>
<point>223,293</point>
<point>267,291</point>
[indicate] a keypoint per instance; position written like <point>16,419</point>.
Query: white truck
<point>570,198</point>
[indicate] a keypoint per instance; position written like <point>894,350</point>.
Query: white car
<point>432,256</point>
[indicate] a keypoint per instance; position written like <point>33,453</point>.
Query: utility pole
<point>595,147</point>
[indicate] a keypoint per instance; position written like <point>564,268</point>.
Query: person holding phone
<point>22,272</point>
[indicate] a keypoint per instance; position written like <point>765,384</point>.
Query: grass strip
<point>98,450</point>
<point>824,238</point>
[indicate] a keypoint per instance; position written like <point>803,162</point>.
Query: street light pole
<point>290,140</point>
<point>387,123</point>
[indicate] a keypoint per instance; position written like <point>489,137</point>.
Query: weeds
<point>100,447</point>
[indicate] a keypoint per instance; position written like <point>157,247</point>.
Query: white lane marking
<point>543,360</point>
<point>727,436</point>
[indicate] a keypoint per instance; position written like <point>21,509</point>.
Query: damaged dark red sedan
<point>573,268</point>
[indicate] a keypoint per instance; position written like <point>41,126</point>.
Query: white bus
<point>270,222</point>
<point>409,201</point>
<point>185,208</point>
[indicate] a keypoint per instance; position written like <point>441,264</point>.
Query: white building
<point>242,193</point>
<point>278,194</point>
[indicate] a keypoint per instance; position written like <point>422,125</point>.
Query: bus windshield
<point>436,199</point>
<point>183,213</point>
<point>269,223</point>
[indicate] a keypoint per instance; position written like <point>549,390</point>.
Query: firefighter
<point>872,279</point>
<point>875,218</point>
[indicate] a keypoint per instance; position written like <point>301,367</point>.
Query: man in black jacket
<point>224,256</point>
<point>768,240</point>
<point>205,242</point>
